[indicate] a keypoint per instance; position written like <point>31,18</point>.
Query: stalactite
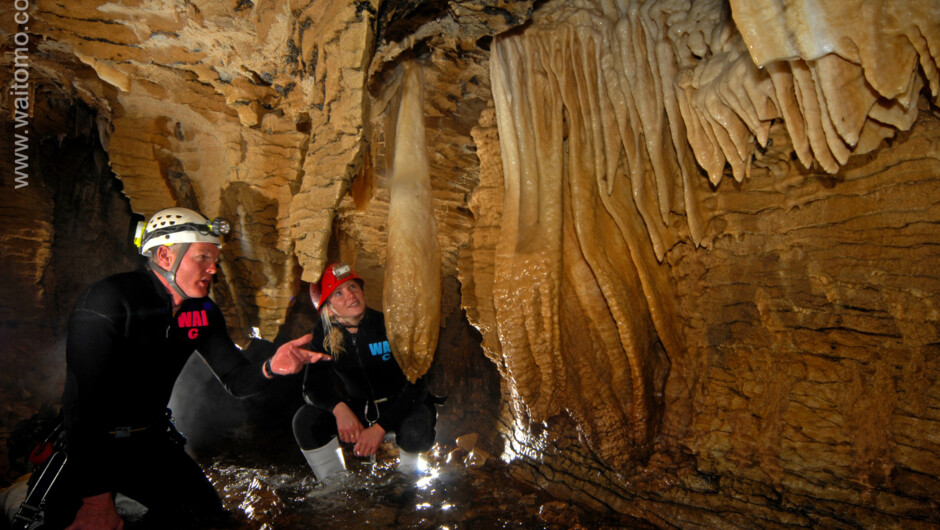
<point>412,287</point>
<point>836,81</point>
<point>586,341</point>
<point>526,285</point>
<point>583,115</point>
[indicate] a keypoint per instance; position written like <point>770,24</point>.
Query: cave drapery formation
<point>698,238</point>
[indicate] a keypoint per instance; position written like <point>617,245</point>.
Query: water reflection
<point>453,492</point>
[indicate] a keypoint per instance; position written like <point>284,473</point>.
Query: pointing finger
<point>303,339</point>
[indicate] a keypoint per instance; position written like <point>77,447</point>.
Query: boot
<point>326,460</point>
<point>411,463</point>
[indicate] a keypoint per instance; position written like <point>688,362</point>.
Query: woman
<point>363,393</point>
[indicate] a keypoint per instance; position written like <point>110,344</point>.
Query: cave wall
<point>68,224</point>
<point>835,381</point>
<point>602,214</point>
<point>697,239</point>
<point>807,389</point>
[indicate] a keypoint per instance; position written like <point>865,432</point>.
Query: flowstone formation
<point>697,238</point>
<point>605,113</point>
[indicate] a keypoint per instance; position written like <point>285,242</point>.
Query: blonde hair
<point>332,337</point>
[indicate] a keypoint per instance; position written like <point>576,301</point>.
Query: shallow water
<point>457,491</point>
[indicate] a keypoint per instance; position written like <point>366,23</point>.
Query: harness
<point>164,425</point>
<point>51,455</point>
<point>375,407</point>
<point>370,404</point>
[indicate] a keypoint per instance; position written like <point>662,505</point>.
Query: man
<point>129,337</point>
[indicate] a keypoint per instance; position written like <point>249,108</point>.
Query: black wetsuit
<point>124,351</point>
<point>367,377</point>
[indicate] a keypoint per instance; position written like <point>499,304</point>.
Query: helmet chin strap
<point>170,275</point>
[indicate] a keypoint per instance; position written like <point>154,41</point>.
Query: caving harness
<point>374,406</point>
<point>50,456</point>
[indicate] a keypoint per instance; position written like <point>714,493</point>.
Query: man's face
<point>194,275</point>
<point>348,302</point>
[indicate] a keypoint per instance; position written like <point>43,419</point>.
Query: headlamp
<point>219,226</point>
<point>341,270</point>
<point>139,233</point>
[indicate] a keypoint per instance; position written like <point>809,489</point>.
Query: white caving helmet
<point>182,226</point>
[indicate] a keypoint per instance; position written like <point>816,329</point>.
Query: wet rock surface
<point>458,490</point>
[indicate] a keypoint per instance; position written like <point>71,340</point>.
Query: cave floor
<point>277,491</point>
<point>265,484</point>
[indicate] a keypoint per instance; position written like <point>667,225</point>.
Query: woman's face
<point>348,302</point>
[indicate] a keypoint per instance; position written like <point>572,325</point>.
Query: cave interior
<point>671,259</point>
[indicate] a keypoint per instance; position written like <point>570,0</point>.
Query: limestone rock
<point>674,344</point>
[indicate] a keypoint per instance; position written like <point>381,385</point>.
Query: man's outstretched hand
<point>291,357</point>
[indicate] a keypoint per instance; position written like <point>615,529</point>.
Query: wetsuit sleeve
<point>411,395</point>
<point>238,375</point>
<point>95,339</point>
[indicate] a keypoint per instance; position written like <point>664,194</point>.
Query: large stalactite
<point>575,331</point>
<point>675,344</point>
<point>412,296</point>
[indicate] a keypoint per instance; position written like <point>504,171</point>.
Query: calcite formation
<point>585,325</point>
<point>412,297</point>
<point>692,349</point>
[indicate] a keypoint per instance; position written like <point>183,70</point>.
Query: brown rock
<point>673,344</point>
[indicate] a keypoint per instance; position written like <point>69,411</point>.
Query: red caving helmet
<point>335,275</point>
